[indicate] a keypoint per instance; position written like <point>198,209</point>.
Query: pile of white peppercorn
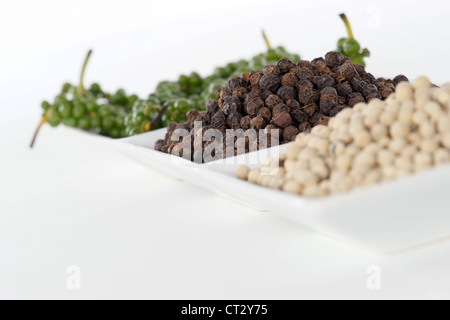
<point>367,144</point>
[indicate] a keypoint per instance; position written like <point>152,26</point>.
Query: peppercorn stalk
<point>347,25</point>
<point>80,89</point>
<point>44,119</point>
<point>266,40</point>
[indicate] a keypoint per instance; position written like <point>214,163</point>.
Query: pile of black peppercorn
<point>289,97</point>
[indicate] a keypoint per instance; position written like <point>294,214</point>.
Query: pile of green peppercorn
<point>89,109</point>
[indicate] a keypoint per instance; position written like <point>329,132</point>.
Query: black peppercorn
<point>305,64</point>
<point>246,76</point>
<point>374,95</point>
<point>271,132</point>
<point>327,102</point>
<point>231,105</point>
<point>159,144</point>
<point>341,100</point>
<point>200,118</point>
<point>333,59</point>
<point>299,116</point>
<point>282,120</point>
<point>400,78</point>
<point>305,74</point>
<point>236,83</point>
<point>265,113</point>
<point>257,123</point>
<point>369,89</point>
<point>324,81</point>
<point>347,70</point>
<point>212,106</point>
<point>252,107</point>
<point>290,133</point>
<point>289,79</point>
<point>317,60</point>
<point>336,110</point>
<point>191,115</point>
<point>234,120</point>
<point>354,98</point>
<point>271,69</point>
<point>344,89</point>
<point>219,119</point>
<point>286,93</point>
<point>386,93</point>
<point>240,92</point>
<point>255,78</point>
<point>245,122</point>
<point>293,104</point>
<point>358,85</point>
<point>328,90</point>
<point>270,82</point>
<point>250,96</point>
<point>323,120</point>
<point>309,109</point>
<point>265,94</point>
<point>304,127</point>
<point>284,65</point>
<point>224,92</point>
<point>306,94</point>
<point>273,100</point>
<point>314,119</point>
<point>279,108</point>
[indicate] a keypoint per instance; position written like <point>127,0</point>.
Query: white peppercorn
<point>441,156</point>
<point>422,160</point>
<point>421,82</point>
<point>242,172</point>
<point>292,186</point>
<point>404,91</point>
<point>253,175</point>
<point>399,129</point>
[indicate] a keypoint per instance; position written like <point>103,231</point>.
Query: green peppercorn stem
<point>266,40</point>
<point>347,25</point>
<point>83,68</point>
<point>43,121</point>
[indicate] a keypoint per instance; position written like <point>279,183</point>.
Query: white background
<point>136,233</point>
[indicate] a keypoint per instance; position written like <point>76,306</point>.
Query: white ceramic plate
<point>386,218</point>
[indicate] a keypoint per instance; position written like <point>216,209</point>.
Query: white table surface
<point>136,233</point>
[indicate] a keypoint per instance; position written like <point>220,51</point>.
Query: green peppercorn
<point>107,122</point>
<point>96,122</point>
<point>104,111</point>
<point>54,118</point>
<point>84,123</point>
<point>95,89</point>
<point>70,122</point>
<point>45,105</point>
<point>78,110</point>
<point>66,87</point>
<point>65,110</point>
<point>349,46</point>
<point>91,106</point>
